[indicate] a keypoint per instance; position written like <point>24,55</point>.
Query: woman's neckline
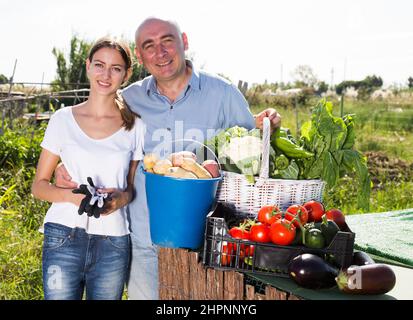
<point>86,135</point>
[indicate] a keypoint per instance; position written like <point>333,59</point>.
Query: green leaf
<point>354,161</point>
<point>351,134</point>
<point>6,195</point>
<point>306,131</point>
<point>330,172</point>
<point>291,172</point>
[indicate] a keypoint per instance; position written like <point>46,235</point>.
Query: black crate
<point>262,258</point>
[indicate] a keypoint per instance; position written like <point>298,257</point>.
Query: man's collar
<point>194,82</point>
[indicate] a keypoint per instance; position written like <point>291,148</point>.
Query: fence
<point>183,277</point>
<point>31,106</point>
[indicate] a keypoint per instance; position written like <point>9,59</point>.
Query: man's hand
<point>117,199</point>
<point>63,178</point>
<point>272,114</point>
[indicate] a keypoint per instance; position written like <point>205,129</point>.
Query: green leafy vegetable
<point>331,139</point>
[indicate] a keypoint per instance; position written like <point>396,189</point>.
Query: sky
<point>249,40</point>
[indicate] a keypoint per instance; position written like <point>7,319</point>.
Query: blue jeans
<point>74,260</point>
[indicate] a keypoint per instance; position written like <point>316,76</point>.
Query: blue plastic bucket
<point>178,209</point>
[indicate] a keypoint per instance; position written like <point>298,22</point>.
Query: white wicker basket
<point>249,198</point>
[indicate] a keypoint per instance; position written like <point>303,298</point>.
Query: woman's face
<point>106,71</point>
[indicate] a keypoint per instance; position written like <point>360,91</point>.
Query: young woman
<point>99,139</point>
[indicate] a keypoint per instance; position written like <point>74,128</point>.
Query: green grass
<point>20,261</point>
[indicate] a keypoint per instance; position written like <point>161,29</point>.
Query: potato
<point>150,160</point>
<point>178,172</point>
<point>191,165</point>
<point>212,167</point>
<point>177,157</point>
<point>162,166</point>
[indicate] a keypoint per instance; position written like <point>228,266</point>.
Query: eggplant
<point>375,278</point>
<point>312,272</point>
<point>361,258</point>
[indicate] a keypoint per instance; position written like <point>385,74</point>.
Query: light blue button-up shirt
<point>208,104</point>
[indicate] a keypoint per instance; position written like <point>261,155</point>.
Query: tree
<point>410,82</point>
<point>3,79</point>
<point>321,88</point>
<point>138,71</point>
<point>304,76</point>
<point>71,73</point>
<point>364,87</point>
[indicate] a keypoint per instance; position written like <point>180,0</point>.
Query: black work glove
<point>93,201</point>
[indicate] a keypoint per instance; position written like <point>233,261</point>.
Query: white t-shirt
<point>106,161</point>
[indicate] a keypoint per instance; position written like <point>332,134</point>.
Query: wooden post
<point>197,278</point>
<point>243,86</point>
<point>233,285</point>
<point>249,292</point>
<point>215,284</point>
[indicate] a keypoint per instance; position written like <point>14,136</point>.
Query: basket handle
<point>265,159</point>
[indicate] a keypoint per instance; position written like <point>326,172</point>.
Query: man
<point>176,102</point>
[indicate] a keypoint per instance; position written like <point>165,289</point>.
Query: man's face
<point>161,49</point>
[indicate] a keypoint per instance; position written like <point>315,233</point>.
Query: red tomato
<point>249,250</point>
<point>246,251</point>
<point>297,211</point>
<point>260,233</point>
<point>269,214</point>
<point>315,210</point>
<point>227,254</point>
<point>337,216</point>
<point>239,233</point>
<point>282,232</point>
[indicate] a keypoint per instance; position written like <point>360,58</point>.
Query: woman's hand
<point>116,199</point>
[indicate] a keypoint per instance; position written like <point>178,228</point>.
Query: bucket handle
<point>203,145</point>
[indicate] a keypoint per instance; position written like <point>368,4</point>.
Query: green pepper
<point>288,147</point>
<point>314,238</point>
<point>329,229</point>
<point>281,162</point>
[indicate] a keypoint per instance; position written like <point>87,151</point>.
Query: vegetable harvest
<point>325,150</point>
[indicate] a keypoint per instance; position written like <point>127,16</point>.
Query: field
<point>384,133</point>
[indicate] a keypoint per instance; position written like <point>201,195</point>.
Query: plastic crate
<point>264,258</point>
